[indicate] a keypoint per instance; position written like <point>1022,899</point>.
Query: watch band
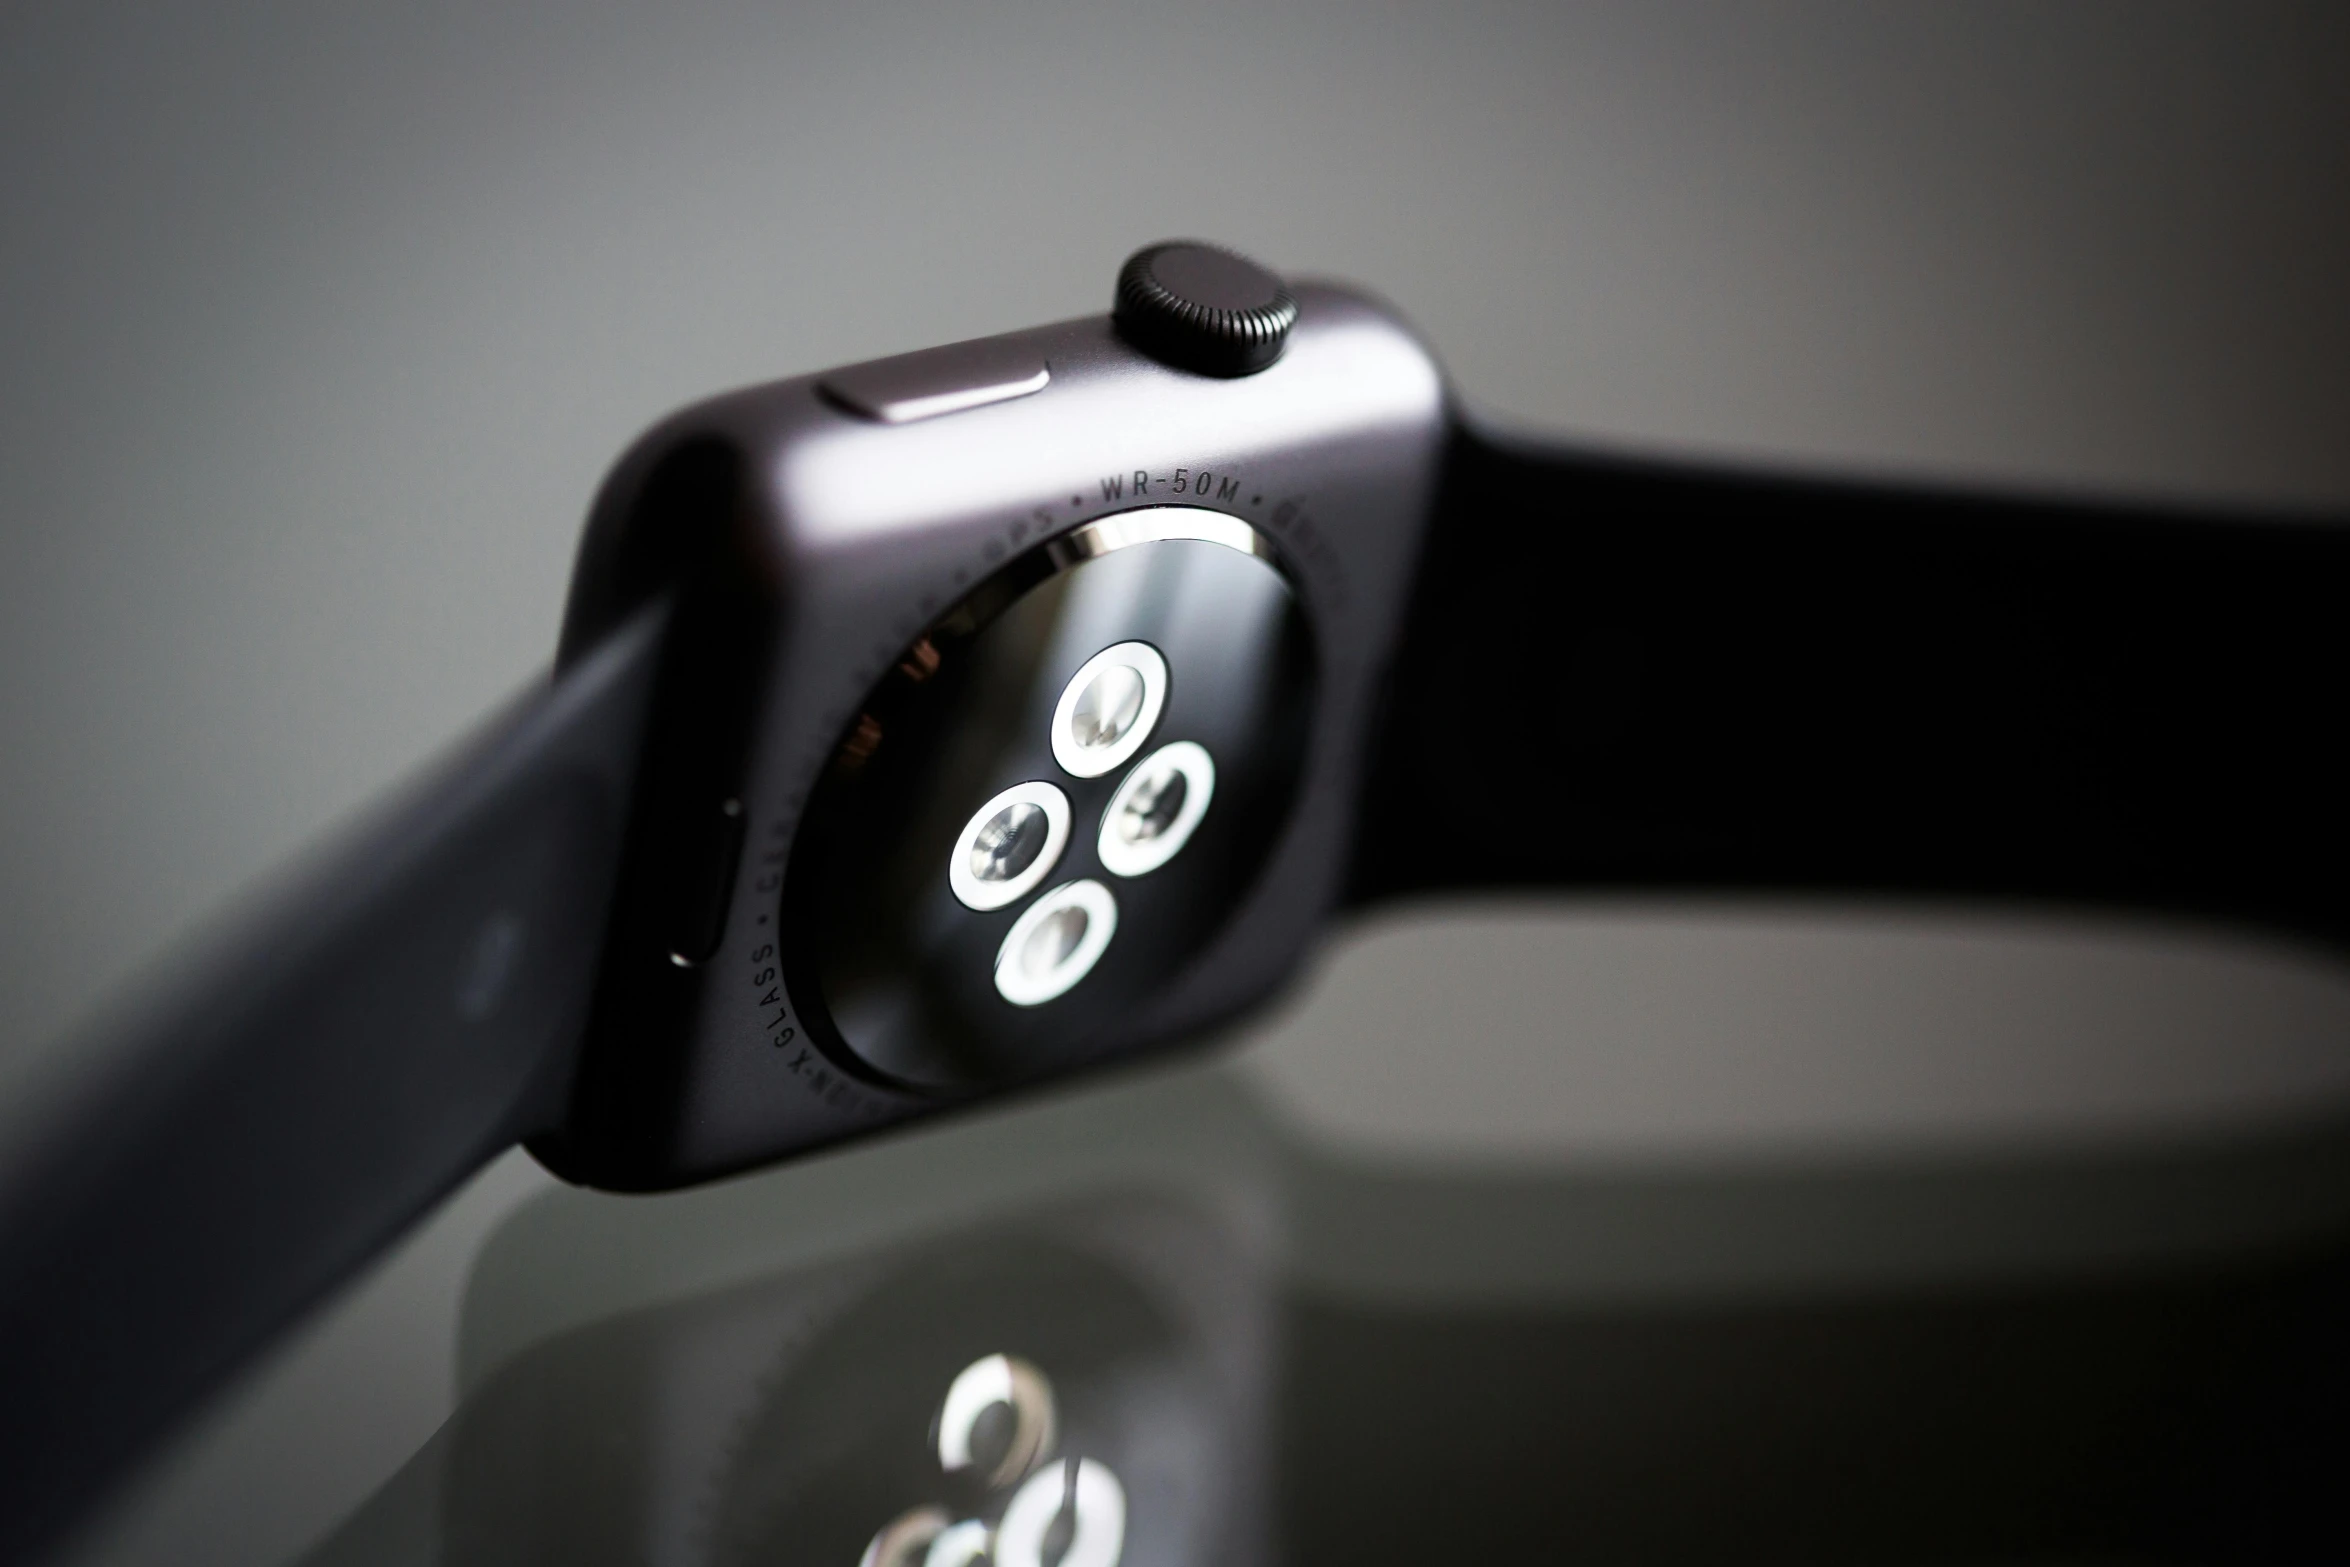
<point>1612,674</point>
<point>1625,674</point>
<point>404,1009</point>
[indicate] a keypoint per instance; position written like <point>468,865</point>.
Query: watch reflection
<point>1043,1392</point>
<point>1151,1327</point>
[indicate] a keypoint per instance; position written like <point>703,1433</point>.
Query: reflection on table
<point>1146,1325</point>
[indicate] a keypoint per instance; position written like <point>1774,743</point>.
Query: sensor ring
<point>975,890</point>
<point>1023,981</point>
<point>1084,756</point>
<point>1183,761</point>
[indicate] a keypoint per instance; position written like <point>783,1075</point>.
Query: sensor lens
<point>1049,945</point>
<point>1055,943</point>
<point>1108,708</point>
<point>1157,808</point>
<point>1010,842</point>
<point>1151,811</point>
<point>1009,845</point>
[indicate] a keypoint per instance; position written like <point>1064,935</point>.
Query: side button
<point>938,381</point>
<point>704,885</point>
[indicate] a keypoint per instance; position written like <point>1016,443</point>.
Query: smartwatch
<point>941,726</point>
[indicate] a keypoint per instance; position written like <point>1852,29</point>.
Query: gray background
<point>318,324</point>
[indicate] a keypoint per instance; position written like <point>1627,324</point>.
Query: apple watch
<point>948,724</point>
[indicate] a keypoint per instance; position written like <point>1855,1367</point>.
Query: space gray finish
<point>842,539</point>
<point>932,382</point>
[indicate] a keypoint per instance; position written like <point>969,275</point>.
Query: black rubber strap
<point>404,1008</point>
<point>1627,675</point>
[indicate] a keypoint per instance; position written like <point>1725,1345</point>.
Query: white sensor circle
<point>1090,1492</point>
<point>1009,845</point>
<point>959,1545</point>
<point>1108,708</point>
<point>905,1541</point>
<point>1155,811</point>
<point>991,1382</point>
<point>1055,943</point>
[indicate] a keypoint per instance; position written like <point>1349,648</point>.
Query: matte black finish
<point>404,1010</point>
<point>1203,308</point>
<point>1625,674</point>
